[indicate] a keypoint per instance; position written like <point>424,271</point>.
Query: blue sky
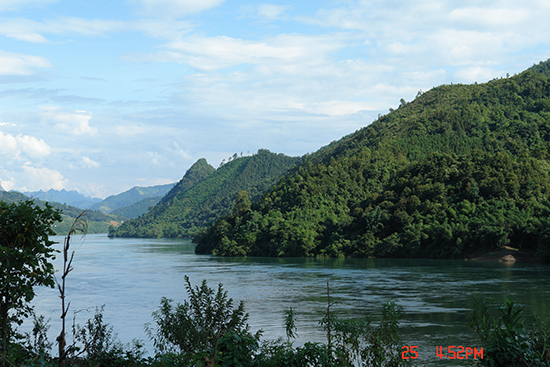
<point>100,96</point>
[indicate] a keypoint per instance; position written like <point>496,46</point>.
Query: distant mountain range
<point>71,197</point>
<point>130,200</point>
<point>97,222</point>
<point>130,204</point>
<point>103,213</point>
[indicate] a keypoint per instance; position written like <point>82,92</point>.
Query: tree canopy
<point>25,254</point>
<point>461,167</point>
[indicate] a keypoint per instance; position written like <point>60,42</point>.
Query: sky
<point>100,96</point>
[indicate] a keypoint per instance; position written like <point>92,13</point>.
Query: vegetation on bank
<point>205,194</point>
<point>461,167</point>
<point>208,330</point>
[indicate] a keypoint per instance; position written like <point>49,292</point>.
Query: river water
<point>129,277</point>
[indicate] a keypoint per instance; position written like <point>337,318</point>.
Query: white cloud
<point>271,11</point>
<point>18,64</point>
<point>42,178</point>
<point>88,163</point>
<point>489,17</point>
<point>10,5</point>
<point>474,74</point>
<point>11,147</point>
<point>76,122</point>
<point>33,147</point>
<point>340,108</point>
<point>179,151</point>
<point>8,145</point>
<point>213,53</point>
<point>7,184</point>
<point>32,31</point>
<point>177,8</point>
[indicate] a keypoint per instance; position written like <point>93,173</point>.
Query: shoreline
<point>507,254</point>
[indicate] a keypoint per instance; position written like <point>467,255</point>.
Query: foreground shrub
<point>505,338</point>
<point>196,327</point>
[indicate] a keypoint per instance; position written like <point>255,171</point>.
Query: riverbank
<point>507,254</point>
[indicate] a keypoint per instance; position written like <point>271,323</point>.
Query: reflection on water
<point>130,276</point>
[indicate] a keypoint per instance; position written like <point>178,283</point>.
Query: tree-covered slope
<point>186,209</point>
<point>462,167</point>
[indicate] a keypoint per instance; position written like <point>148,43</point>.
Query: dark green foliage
<point>98,340</point>
<point>237,349</point>
<point>505,339</point>
<point>196,327</point>
<point>358,342</point>
<point>462,167</point>
<point>188,208</point>
<point>290,324</point>
<point>25,255</point>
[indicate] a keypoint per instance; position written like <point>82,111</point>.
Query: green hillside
<point>188,208</point>
<point>137,209</point>
<point>461,168</point>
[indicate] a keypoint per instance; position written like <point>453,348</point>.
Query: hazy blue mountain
<point>137,209</point>
<point>71,197</point>
<point>131,196</point>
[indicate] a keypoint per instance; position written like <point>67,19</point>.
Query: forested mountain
<point>461,167</point>
<point>192,204</point>
<point>130,197</point>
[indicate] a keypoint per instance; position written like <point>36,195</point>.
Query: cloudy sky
<point>100,96</point>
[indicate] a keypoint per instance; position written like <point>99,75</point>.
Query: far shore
<point>507,254</point>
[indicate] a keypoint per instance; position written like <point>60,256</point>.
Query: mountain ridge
<point>187,208</point>
<point>458,168</point>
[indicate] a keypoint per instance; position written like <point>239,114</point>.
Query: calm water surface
<point>129,277</point>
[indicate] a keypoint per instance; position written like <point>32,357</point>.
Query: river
<point>129,277</point>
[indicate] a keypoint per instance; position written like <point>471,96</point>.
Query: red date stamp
<point>449,352</point>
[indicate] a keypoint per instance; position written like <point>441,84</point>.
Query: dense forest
<point>205,193</point>
<point>462,167</point>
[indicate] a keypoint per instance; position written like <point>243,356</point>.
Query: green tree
<point>242,204</point>
<point>25,252</point>
<point>196,326</point>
